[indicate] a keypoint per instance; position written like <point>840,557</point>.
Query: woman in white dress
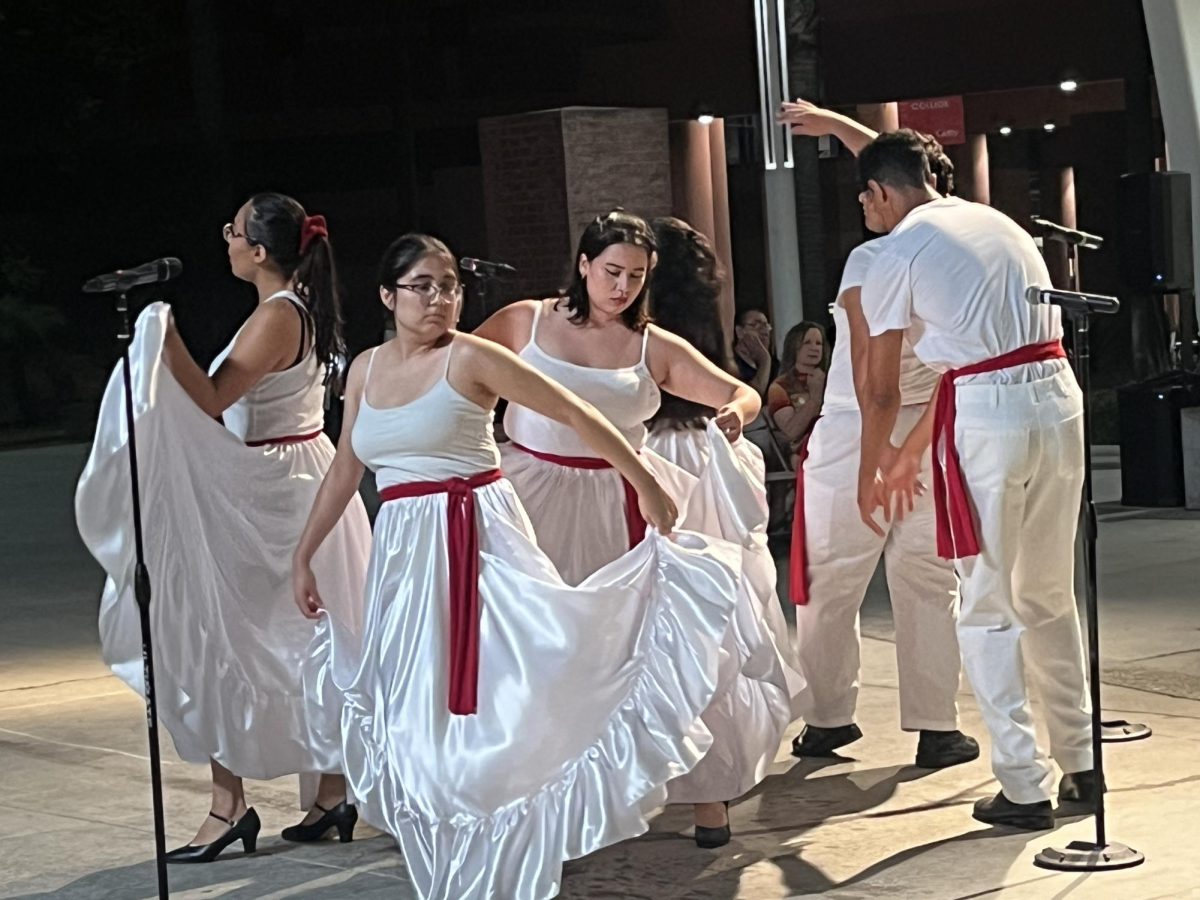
<point>596,340</point>
<point>236,665</point>
<point>499,721</point>
<point>750,712</point>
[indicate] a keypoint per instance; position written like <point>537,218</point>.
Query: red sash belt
<point>635,525</point>
<point>288,439</point>
<point>798,559</point>
<point>463,554</point>
<point>956,538</point>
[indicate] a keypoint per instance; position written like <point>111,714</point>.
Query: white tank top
<point>627,397</point>
<point>437,436</point>
<point>282,404</point>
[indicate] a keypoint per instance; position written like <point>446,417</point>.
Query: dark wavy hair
<point>940,165</point>
<point>685,286</point>
<point>618,227</point>
<point>404,253</point>
<point>274,223</point>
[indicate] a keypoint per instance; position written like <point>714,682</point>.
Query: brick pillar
<point>547,174</point>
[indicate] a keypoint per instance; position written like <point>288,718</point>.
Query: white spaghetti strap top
<point>626,396</point>
<point>281,404</point>
<point>439,435</point>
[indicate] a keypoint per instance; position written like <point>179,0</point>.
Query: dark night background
<point>134,129</point>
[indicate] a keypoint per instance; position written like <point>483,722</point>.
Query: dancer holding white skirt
<point>501,721</point>
<point>760,683</point>
<point>596,341</point>
<point>235,665</point>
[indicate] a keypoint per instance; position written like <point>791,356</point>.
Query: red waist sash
<point>463,555</point>
<point>798,559</point>
<point>287,439</point>
<point>635,525</point>
<point>956,538</point>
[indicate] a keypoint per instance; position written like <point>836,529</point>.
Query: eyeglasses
<point>229,234</point>
<point>429,293</point>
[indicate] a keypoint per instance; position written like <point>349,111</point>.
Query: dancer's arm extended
<point>679,368</point>
<point>339,486</point>
<point>267,343</point>
<point>496,371</point>
<point>810,120</point>
<point>880,406</point>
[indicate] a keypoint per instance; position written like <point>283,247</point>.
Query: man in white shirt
<point>1007,421</point>
<point>834,557</point>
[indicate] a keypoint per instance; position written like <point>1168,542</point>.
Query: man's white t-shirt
<point>917,380</point>
<point>954,275</point>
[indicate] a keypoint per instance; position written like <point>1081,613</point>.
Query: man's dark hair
<point>896,159</point>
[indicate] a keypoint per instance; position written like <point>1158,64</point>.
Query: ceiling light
<point>1069,85</point>
<point>705,118</point>
<point>1049,126</point>
<point>1006,130</point>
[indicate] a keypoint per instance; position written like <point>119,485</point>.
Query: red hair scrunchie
<point>313,226</point>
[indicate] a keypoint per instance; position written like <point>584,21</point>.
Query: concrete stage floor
<point>74,804</point>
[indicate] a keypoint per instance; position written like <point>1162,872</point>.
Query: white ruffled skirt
<point>589,698</point>
<point>760,681</point>
<point>578,516</point>
<point>241,676</point>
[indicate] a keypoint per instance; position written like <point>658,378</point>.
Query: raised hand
<point>807,118</point>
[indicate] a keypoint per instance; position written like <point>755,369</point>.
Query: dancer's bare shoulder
<point>511,325</point>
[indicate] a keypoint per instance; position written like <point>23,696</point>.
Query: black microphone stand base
<point>1084,856</point>
<point>1118,731</point>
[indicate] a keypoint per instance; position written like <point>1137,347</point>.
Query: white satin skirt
<point>241,676</point>
<point>589,698</point>
<point>578,515</point>
<point>760,682</point>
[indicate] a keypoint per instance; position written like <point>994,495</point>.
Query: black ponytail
<point>277,223</point>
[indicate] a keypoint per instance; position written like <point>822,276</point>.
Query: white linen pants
<point>842,556</point>
<point>1021,449</point>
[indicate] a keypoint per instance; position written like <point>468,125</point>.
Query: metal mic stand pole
<point>1084,856</point>
<point>1112,731</point>
<point>141,590</point>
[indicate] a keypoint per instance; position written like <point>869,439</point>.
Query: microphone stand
<point>1113,731</point>
<point>1101,855</point>
<point>141,591</point>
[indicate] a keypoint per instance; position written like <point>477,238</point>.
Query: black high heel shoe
<point>712,838</point>
<point>244,829</point>
<point>342,817</point>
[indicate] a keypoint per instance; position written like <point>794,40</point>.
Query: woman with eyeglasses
<point>231,459</point>
<point>499,721</point>
<point>596,340</point>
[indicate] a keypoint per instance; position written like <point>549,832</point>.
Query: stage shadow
<point>370,869</point>
<point>667,863</point>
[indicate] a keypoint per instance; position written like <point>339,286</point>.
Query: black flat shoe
<point>942,749</point>
<point>999,810</point>
<point>1078,788</point>
<point>244,829</point>
<point>712,838</point>
<point>342,817</point>
<point>814,741</point>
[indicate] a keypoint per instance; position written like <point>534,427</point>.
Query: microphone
<point>483,267</point>
<point>1072,301</point>
<point>1056,232</point>
<point>123,279</point>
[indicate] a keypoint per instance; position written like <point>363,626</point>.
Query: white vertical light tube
<point>766,109</point>
<point>784,90</point>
